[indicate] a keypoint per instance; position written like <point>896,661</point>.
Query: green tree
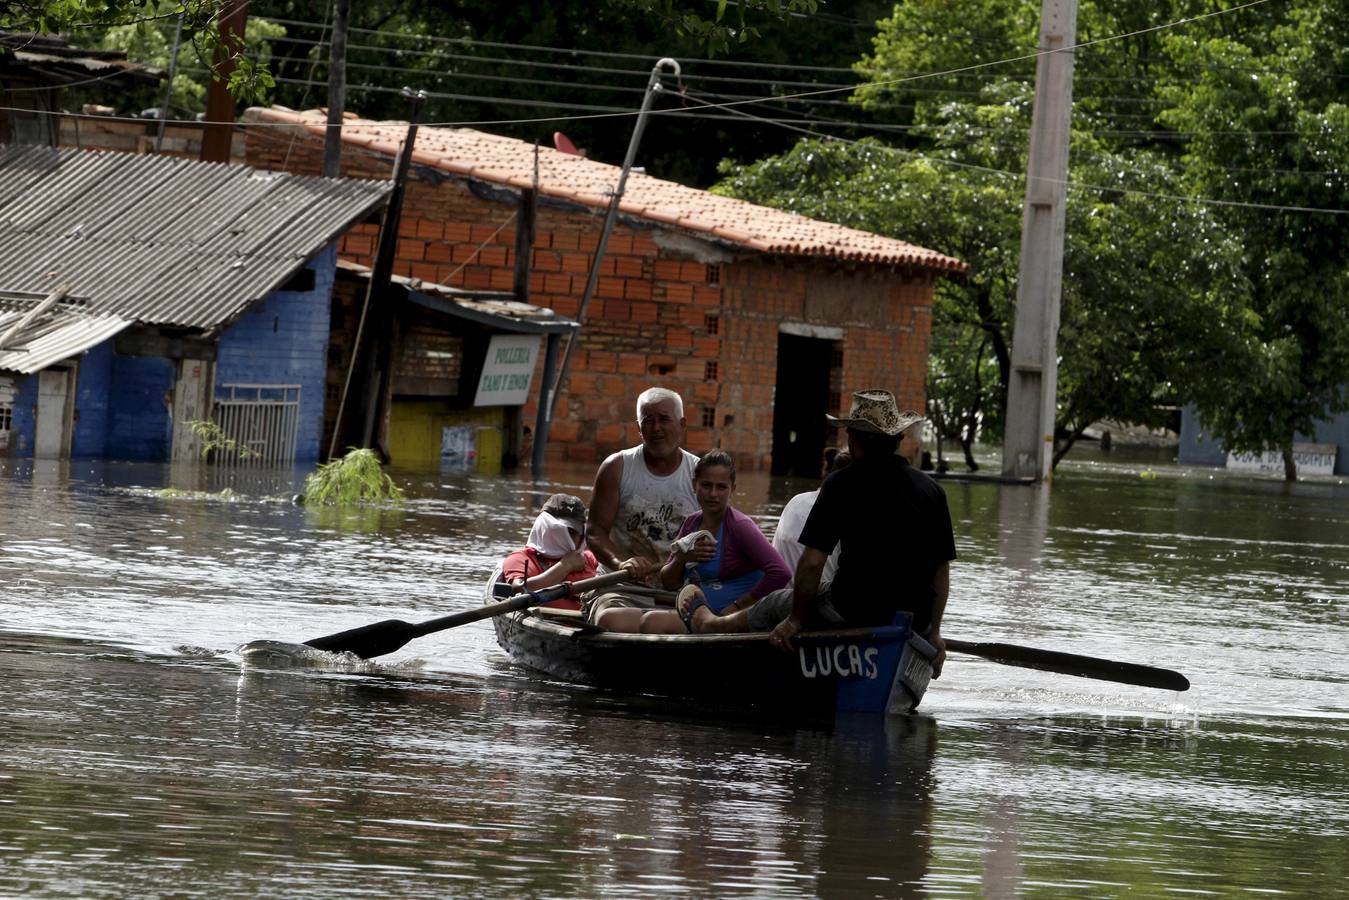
<point>475,60</point>
<point>1262,106</point>
<point>1164,300</point>
<point>129,24</point>
<point>150,42</point>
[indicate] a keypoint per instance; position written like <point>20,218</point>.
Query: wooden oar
<point>1028,657</point>
<point>1073,664</point>
<point>391,634</point>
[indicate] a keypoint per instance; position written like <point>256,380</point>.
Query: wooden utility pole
<point>337,89</point>
<point>215,138</point>
<point>376,300</point>
<point>1028,440</point>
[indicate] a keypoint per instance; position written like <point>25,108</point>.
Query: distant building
<point>762,319</point>
<point>1198,448</point>
<point>35,70</point>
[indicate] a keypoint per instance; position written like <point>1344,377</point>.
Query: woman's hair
<point>835,458</point>
<point>716,457</point>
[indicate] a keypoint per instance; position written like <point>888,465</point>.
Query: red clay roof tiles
<point>508,161</point>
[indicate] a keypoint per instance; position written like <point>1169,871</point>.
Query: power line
<point>499,45</point>
<point>559,67</point>
<point>67,84</point>
<point>1209,201</point>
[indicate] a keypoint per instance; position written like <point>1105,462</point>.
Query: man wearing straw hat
<point>897,543</point>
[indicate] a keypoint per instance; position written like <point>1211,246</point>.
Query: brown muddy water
<point>140,758</point>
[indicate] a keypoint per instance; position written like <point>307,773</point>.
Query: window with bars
<point>714,274</point>
<point>712,323</point>
<point>710,370</point>
<point>709,417</point>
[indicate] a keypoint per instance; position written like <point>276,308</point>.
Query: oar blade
<point>385,637</point>
<point>369,640</point>
<point>1074,664</point>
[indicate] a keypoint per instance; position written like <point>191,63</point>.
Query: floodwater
<point>140,757</point>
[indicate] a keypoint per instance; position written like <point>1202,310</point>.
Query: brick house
<point>763,320</point>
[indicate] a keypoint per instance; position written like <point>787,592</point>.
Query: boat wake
<point>283,655</point>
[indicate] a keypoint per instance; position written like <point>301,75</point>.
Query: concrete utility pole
<point>1028,441</point>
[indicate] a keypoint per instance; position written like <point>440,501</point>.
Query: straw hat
<point>875,411</point>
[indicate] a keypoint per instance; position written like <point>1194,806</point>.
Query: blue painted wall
<point>1197,449</point>
<point>122,402</point>
<point>138,408</point>
<point>90,436</point>
<point>23,427</point>
<point>284,340</point>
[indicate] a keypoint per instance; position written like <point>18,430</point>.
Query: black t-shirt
<point>895,529</point>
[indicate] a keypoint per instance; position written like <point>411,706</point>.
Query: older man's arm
<point>600,521</point>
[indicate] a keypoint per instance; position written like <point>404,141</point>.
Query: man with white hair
<point>640,499</point>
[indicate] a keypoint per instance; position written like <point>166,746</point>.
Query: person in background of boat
<point>641,497</point>
<point>889,518</point>
<point>720,548</point>
<point>555,551</point>
<point>911,438</point>
<point>794,515</point>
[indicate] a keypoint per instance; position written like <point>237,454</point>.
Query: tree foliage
<point>1165,300</point>
<point>1263,105</point>
<point>137,27</point>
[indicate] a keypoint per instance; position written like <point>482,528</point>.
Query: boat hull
<point>873,670</point>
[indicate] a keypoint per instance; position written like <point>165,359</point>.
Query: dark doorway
<point>799,405</point>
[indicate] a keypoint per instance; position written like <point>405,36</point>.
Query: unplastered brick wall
<point>706,327</point>
<point>91,132</point>
<point>884,316</point>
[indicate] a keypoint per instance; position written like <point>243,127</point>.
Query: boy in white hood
<point>556,550</point>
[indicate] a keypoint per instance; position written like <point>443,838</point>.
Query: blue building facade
<point>1200,449</point>
<point>122,405</point>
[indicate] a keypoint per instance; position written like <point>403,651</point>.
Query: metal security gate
<point>259,422</point>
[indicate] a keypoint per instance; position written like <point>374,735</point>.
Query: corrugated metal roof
<point>51,57</point>
<point>160,240</point>
<point>56,336</point>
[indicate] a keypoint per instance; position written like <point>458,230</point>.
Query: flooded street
<point>142,758</point>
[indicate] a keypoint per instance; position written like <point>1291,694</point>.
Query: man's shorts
<point>615,600</point>
<point>776,606</point>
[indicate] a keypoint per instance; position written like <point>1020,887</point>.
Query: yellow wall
<point>415,429</point>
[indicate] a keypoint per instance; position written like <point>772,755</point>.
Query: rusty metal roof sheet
<point>495,309</point>
<point>51,58</point>
<point>160,240</point>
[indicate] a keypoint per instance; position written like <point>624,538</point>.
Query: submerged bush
<point>213,438</point>
<point>352,480</point>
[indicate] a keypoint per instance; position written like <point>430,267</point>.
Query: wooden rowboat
<point>872,670</point>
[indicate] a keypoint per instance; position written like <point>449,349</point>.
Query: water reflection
<point>139,758</point>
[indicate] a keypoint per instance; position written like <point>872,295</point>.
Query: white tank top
<point>651,507</point>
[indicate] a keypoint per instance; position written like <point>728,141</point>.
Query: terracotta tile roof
<point>508,161</point>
